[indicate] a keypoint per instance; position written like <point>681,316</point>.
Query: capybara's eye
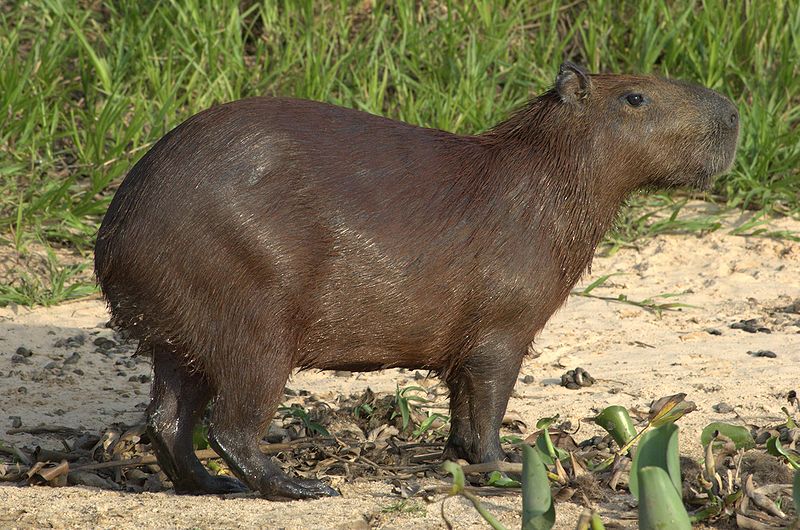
<point>634,100</point>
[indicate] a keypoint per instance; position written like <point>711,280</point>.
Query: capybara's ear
<point>573,83</point>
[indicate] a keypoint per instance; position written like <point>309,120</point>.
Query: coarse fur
<point>270,234</point>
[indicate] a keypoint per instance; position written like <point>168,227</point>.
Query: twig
<point>43,429</point>
<point>508,467</point>
<point>201,454</point>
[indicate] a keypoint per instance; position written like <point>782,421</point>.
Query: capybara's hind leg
<point>179,398</point>
<point>241,413</point>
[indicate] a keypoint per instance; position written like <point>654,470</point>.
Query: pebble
<point>104,343</point>
<point>723,408</point>
<point>71,342</point>
<point>763,353</point>
<point>51,365</point>
<point>528,379</point>
<point>16,422</point>
<point>77,371</point>
<point>714,331</point>
<point>127,363</point>
<point>762,437</point>
<point>750,326</point>
<point>19,359</point>
<point>74,358</point>
<point>342,373</point>
<point>24,352</point>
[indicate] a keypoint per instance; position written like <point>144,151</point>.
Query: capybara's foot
<point>454,451</point>
<point>203,485</point>
<point>457,450</point>
<point>295,488</point>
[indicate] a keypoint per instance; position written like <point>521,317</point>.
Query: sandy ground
<point>635,355</point>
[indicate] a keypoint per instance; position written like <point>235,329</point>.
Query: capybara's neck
<point>551,186</point>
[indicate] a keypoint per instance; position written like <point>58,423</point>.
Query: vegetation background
<point>88,86</point>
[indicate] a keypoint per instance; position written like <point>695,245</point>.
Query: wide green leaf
<point>740,436</point>
<point>660,506</point>
<point>538,512</point>
<point>616,420</point>
<point>658,447</point>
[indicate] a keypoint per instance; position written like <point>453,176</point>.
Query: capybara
<point>271,234</point>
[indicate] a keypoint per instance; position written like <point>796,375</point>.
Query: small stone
<point>723,408</point>
<point>19,359</point>
<point>59,412</point>
<point>22,390</point>
<point>763,353</point>
<point>762,437</point>
<point>16,422</point>
<point>74,358</point>
<point>104,343</point>
<point>714,331</point>
<point>51,365</point>
<point>289,392</point>
<point>24,352</point>
<point>749,325</point>
<point>342,373</point>
<point>572,386</point>
<point>418,376</point>
<point>144,378</point>
<point>77,371</point>
<point>122,373</point>
<point>71,342</point>
<point>528,379</point>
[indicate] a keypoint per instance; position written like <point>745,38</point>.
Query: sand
<point>635,355</point>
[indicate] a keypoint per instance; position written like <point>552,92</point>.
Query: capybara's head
<point>656,131</point>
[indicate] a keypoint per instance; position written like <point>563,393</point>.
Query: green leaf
<point>458,476</point>
<point>739,435</point>
<point>200,437</point>
<point>547,451</point>
<point>775,448</point>
<point>657,448</point>
<point>538,512</point>
<point>616,420</point>
<point>660,506</point>
<point>544,423</point>
<point>796,491</point>
<point>501,480</point>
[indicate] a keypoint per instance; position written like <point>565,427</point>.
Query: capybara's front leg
<point>483,386</point>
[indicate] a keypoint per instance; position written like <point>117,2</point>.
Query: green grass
<point>87,87</point>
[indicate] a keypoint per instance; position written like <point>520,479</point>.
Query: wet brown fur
<point>270,234</point>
